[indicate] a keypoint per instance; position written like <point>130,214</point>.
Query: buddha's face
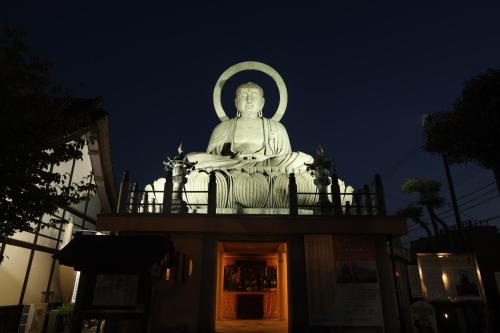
<point>249,101</point>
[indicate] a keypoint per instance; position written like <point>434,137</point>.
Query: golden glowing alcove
<point>252,293</point>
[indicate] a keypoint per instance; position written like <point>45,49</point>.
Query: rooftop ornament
<point>177,169</point>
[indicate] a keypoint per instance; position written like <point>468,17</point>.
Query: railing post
<point>123,195</point>
<point>167,193</point>
<point>156,206</point>
<point>335,189</point>
<point>367,200</point>
<point>379,189</point>
<point>179,166</point>
<point>358,202</point>
<point>321,167</point>
<point>347,208</point>
<point>212,194</point>
<point>145,203</point>
<point>134,198</point>
<point>292,192</point>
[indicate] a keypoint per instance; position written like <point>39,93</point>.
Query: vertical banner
<point>357,291</point>
<point>320,277</point>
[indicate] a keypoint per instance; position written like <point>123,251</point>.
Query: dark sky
<point>359,75</point>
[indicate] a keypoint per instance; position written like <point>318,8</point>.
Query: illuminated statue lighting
<point>250,154</point>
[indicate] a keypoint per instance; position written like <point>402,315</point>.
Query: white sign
<point>449,277</point>
<point>115,290</point>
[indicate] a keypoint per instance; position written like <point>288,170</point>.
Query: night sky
<point>359,77</point>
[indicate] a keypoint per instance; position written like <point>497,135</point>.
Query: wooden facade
<point>311,243</point>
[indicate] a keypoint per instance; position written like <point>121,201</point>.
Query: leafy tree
<point>470,132</point>
<point>415,213</point>
<point>37,131</point>
<point>428,191</point>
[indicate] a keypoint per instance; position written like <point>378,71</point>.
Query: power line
<point>416,227</point>
<point>469,201</point>
<point>464,196</point>
<point>407,157</point>
<point>467,216</point>
<point>480,203</point>
<point>477,190</point>
<point>477,204</point>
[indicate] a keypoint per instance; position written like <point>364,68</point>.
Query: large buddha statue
<point>250,140</point>
<point>250,156</point>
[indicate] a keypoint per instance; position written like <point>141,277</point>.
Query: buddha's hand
<point>256,157</point>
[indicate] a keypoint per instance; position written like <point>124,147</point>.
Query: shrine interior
<point>252,290</point>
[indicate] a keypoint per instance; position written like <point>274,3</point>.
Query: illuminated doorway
<point>252,288</point>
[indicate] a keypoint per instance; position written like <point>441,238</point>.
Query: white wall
<point>39,277</point>
<point>12,272</point>
<point>13,268</point>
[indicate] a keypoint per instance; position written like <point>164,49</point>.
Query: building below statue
<point>248,230</point>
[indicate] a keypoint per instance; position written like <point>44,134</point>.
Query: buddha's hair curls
<point>249,85</point>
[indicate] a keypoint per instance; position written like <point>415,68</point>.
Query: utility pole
<point>456,212</point>
<point>458,222</point>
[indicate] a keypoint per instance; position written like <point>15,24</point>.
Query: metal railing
<point>367,201</point>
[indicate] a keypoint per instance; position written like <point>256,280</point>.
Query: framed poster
<point>342,281</point>
<point>450,277</point>
<point>357,292</point>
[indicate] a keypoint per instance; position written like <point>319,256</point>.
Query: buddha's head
<point>249,100</point>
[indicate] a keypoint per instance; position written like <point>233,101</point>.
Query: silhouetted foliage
<point>428,191</point>
<point>414,213</point>
<point>37,131</point>
<point>470,132</point>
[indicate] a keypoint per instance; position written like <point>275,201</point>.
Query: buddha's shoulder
<point>224,124</point>
<point>276,124</point>
<point>222,128</point>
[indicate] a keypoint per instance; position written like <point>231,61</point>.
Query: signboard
<point>449,277</point>
<point>342,281</point>
<point>357,292</point>
<point>115,290</point>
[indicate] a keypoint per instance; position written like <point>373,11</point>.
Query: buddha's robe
<point>274,152</point>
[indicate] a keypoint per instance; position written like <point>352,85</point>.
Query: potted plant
<point>65,312</point>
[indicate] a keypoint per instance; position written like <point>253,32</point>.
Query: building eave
<point>100,157</point>
<point>253,224</point>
